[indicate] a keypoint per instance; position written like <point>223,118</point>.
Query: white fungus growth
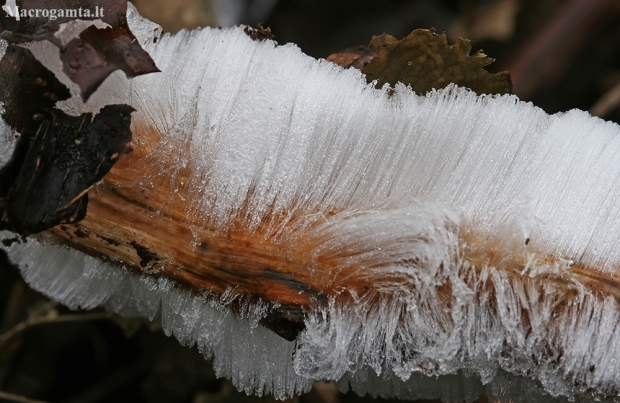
<point>419,188</point>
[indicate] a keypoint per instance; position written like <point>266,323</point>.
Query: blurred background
<point>562,54</point>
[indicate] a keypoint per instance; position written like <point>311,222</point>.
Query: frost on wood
<point>253,357</point>
<point>456,235</point>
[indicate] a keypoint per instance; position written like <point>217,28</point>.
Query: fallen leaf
<point>424,60</point>
<point>357,57</point>
<point>57,157</point>
<point>29,90</point>
<point>89,59</point>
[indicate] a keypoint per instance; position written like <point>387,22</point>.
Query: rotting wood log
<point>379,285</point>
<point>150,235</point>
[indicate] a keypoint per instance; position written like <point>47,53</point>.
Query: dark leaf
<point>57,157</point>
<point>89,59</point>
<point>424,60</point>
<point>98,52</point>
<point>29,90</point>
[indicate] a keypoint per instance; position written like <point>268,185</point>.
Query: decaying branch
<point>384,236</point>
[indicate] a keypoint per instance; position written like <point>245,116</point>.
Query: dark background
<point>562,55</point>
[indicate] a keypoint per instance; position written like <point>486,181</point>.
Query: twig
<point>607,103</point>
<point>22,326</point>
<point>548,50</point>
<point>16,398</point>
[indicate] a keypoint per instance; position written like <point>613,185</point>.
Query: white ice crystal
<point>270,132</point>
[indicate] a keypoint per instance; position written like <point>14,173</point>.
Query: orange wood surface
<point>145,231</point>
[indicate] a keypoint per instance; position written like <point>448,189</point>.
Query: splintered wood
<point>147,233</point>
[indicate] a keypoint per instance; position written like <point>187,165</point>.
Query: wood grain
<point>148,233</point>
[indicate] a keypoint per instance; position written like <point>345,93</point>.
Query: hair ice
<point>410,192</point>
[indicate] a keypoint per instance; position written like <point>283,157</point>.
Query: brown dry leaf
<point>424,60</point>
<point>357,57</point>
<point>89,59</point>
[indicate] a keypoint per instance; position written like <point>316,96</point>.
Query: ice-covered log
<point>386,238</point>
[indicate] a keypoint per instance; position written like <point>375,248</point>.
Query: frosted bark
<point>398,187</point>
